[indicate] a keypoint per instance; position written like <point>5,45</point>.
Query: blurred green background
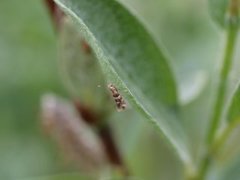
<point>28,69</point>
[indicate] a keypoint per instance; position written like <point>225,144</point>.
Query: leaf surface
<point>133,62</point>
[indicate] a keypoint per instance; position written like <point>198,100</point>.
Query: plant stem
<point>219,104</point>
<point>232,33</point>
<point>215,147</point>
<point>204,167</point>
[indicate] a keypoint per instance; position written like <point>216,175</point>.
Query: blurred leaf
<point>218,9</point>
<point>152,159</point>
<point>27,69</point>
<point>229,171</point>
<point>78,141</point>
<point>128,124</point>
<point>192,86</point>
<point>133,62</point>
<point>81,71</point>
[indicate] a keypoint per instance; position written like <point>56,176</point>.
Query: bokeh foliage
<point>29,68</point>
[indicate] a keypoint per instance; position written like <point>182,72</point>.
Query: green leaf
<point>83,77</point>
<point>218,9</point>
<point>132,62</point>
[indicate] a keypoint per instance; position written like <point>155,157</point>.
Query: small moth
<point>121,104</point>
